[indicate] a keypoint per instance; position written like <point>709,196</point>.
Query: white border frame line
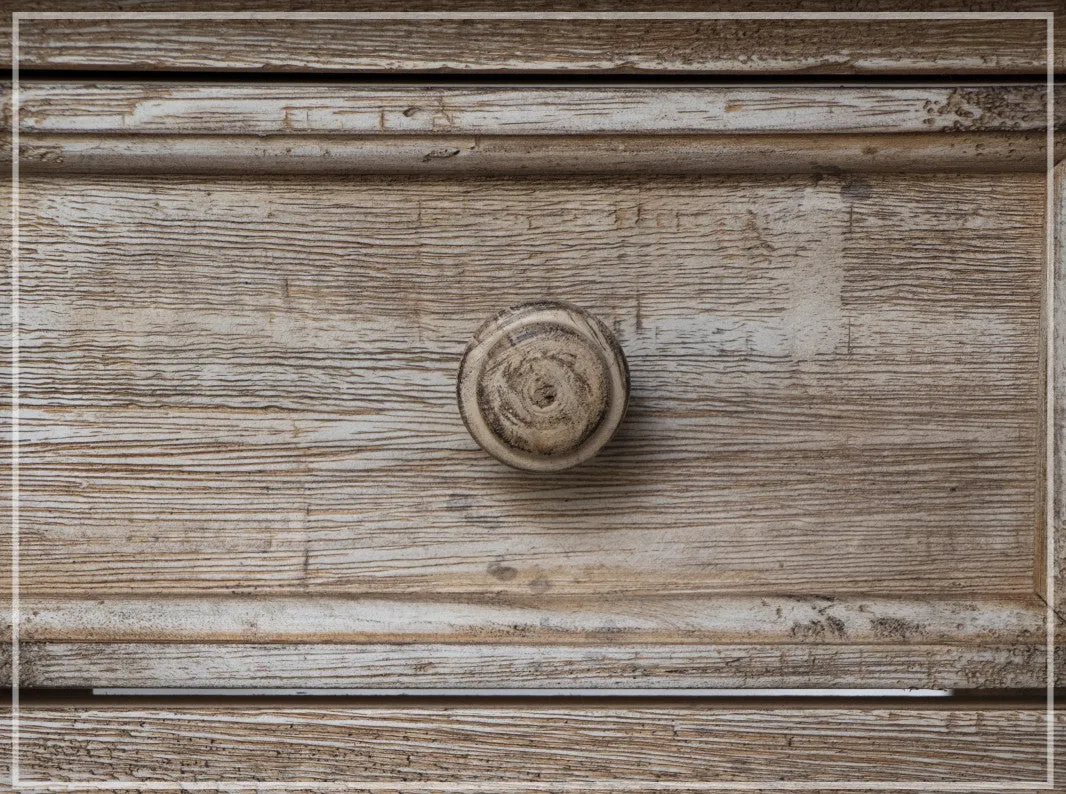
<point>1049,17</point>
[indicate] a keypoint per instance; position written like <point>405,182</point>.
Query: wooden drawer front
<point>244,308</point>
<point>681,41</point>
<point>448,745</point>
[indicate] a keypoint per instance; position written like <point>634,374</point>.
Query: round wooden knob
<point>543,386</point>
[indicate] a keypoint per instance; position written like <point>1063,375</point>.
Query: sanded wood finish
<point>307,128</point>
<point>1051,562</point>
<point>543,642</point>
<point>239,417</point>
<point>546,745</point>
<point>523,155</point>
<point>801,662</point>
<point>539,618</point>
<point>243,310</point>
<point>137,481</point>
<point>125,108</point>
<point>248,384</point>
<point>544,44</point>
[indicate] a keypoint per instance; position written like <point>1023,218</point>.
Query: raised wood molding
<point>309,108</point>
<point>538,619</point>
<point>503,666</point>
<point>240,128</point>
<point>523,155</point>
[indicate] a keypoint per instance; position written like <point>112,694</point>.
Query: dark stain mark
<point>824,170</point>
<point>836,625</point>
<point>540,585</point>
<point>504,573</point>
<point>458,501</point>
<point>819,629</point>
<point>980,108</point>
<point>896,628</point>
<point>439,154</point>
<point>43,154</point>
<point>856,189</point>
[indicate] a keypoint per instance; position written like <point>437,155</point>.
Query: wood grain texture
<point>244,385</point>
<point>541,746</point>
<point>247,385</point>
<point>537,619</point>
<point>523,155</point>
<point>612,45</point>
<point>660,665</point>
<point>542,386</point>
<point>6,372</point>
<point>1057,431</point>
<point>337,109</point>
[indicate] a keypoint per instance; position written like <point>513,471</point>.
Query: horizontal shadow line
<point>526,78</point>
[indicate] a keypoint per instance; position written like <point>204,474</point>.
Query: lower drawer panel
<point>543,744</point>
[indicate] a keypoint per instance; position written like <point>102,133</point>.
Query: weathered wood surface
<point>538,744</point>
<point>6,372</point>
<point>538,619</point>
<point>542,386</point>
<point>248,385</point>
<point>1057,432</point>
<point>340,109</point>
<point>659,665</point>
<point>522,155</point>
<point>613,45</point>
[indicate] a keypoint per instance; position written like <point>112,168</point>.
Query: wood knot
<point>543,386</point>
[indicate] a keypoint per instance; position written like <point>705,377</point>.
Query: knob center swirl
<point>545,390</point>
<point>543,386</point>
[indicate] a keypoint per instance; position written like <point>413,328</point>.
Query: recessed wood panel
<point>248,384</point>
